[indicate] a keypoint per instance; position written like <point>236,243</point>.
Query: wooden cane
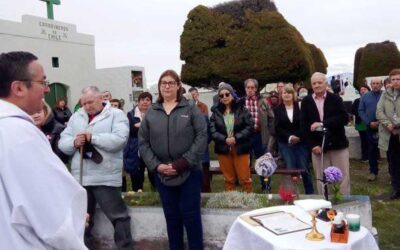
<point>81,165</point>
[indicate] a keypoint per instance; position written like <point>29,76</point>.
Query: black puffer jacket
<point>243,129</point>
<point>52,129</point>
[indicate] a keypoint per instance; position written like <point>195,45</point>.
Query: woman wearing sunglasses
<point>231,128</point>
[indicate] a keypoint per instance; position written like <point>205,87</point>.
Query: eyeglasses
<point>226,95</point>
<point>170,83</point>
<point>44,83</point>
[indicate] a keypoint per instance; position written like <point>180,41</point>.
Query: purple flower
<point>333,174</point>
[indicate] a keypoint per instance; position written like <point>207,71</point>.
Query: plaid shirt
<point>251,106</point>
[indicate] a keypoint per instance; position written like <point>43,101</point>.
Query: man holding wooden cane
<point>100,133</point>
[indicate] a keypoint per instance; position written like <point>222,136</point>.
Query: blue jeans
<point>297,156</point>
<point>181,206</point>
<point>373,151</point>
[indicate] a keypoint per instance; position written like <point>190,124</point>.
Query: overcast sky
<point>146,32</point>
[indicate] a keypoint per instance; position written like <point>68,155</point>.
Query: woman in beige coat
<point>388,115</point>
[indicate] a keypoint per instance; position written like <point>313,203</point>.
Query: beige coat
<point>388,104</point>
<point>266,116</point>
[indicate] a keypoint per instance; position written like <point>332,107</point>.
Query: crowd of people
<point>170,139</point>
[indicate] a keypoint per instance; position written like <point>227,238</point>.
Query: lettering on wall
<point>53,32</point>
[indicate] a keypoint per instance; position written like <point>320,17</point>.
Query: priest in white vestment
<point>41,205</point>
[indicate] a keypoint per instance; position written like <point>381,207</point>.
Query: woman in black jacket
<point>231,129</point>
<point>292,147</point>
<point>133,163</point>
<point>61,111</point>
<point>51,128</point>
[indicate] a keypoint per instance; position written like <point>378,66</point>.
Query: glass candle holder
<point>353,220</point>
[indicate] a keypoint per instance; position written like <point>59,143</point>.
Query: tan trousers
<point>235,166</point>
<point>338,158</point>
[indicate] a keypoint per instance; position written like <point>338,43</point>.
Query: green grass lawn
<point>385,213</point>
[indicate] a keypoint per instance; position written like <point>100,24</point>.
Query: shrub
<point>244,39</point>
<point>375,59</point>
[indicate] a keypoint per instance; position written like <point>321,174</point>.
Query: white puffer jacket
<point>110,132</point>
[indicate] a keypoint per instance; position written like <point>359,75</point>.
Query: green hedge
<point>229,46</point>
<point>375,59</point>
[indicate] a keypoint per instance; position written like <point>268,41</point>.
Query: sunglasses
<point>226,95</point>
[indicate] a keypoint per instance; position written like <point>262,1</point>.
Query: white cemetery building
<point>69,60</point>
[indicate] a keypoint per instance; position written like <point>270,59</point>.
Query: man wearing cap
<point>102,131</point>
<point>263,117</point>
<point>324,111</point>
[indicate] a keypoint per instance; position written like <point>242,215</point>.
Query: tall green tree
<point>375,59</point>
<point>319,61</point>
<point>243,39</point>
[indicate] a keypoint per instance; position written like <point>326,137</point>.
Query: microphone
<point>321,129</point>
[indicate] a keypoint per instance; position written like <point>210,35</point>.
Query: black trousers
<point>364,144</point>
<point>110,201</point>
<point>137,178</point>
<point>393,157</point>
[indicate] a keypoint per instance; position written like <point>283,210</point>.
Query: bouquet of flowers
<point>265,165</point>
<point>333,176</point>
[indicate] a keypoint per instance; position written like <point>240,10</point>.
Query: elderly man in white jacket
<point>103,132</point>
<point>41,205</point>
